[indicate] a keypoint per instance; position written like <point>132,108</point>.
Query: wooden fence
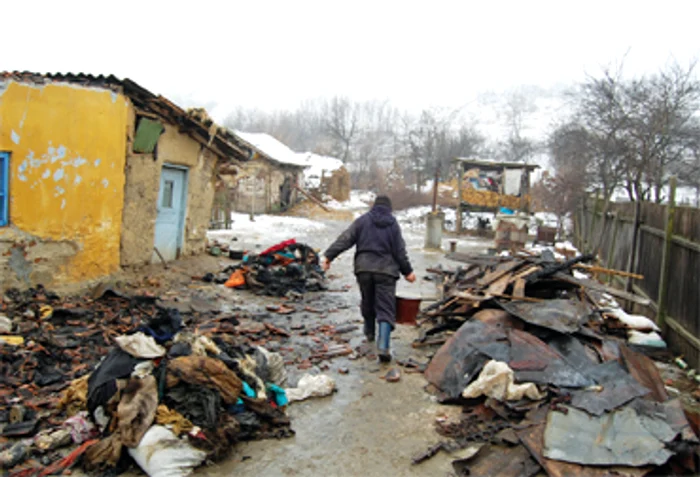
<point>662,243</point>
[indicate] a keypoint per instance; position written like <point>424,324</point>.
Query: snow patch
<point>264,231</point>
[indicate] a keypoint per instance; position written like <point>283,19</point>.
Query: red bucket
<point>407,310</point>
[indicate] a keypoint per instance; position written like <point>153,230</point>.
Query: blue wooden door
<point>170,222</point>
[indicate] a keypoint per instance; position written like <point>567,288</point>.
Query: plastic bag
<point>161,454</point>
<point>634,322</point>
<point>311,386</point>
<point>645,339</point>
<point>496,380</point>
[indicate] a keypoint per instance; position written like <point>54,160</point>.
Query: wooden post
<point>635,239</point>
<point>594,220</point>
<point>610,256</point>
<point>666,257</point>
<point>460,172</point>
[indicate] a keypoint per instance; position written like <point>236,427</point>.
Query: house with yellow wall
<point>98,173</point>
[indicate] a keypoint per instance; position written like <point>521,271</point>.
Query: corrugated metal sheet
<point>618,438</point>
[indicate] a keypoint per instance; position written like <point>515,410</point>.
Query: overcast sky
<point>276,54</point>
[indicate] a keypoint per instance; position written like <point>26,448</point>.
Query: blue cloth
<point>278,394</point>
<point>249,391</point>
<point>506,211</point>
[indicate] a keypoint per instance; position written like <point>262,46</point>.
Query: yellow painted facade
<point>67,149</point>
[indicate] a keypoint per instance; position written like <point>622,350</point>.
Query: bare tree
<point>517,146</point>
<point>341,123</point>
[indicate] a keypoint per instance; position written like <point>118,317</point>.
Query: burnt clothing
<point>378,299</point>
<point>379,245</point>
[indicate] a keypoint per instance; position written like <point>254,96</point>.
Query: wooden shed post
<point>666,257</point>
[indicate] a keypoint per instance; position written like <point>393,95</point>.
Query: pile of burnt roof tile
<point>541,363</point>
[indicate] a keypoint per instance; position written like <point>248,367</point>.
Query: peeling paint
<point>105,183</point>
<point>54,165</point>
<point>15,137</point>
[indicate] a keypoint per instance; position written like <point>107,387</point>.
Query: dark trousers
<point>378,299</point>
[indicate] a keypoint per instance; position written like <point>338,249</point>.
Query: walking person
<point>380,260</point>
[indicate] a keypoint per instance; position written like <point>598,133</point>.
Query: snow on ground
<point>265,231</point>
<point>359,200</point>
<point>414,218</point>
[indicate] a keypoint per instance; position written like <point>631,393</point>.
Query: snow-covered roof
<point>318,164</point>
<point>272,148</point>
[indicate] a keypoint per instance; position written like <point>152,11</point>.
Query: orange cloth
<point>237,279</point>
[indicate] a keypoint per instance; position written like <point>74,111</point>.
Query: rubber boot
<point>369,330</point>
<point>383,342</point>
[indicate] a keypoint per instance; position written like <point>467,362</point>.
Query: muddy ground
<point>368,427</point>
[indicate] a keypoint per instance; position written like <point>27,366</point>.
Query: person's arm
<point>345,241</point>
<point>401,256</point>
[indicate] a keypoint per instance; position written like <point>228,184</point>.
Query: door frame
<point>185,205</point>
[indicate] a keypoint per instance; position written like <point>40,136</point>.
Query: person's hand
<point>411,277</point>
<point>325,264</point>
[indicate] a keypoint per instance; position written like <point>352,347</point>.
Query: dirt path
<point>369,427</point>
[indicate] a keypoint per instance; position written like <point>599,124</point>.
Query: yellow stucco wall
<point>68,147</point>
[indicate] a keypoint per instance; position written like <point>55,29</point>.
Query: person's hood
<point>381,216</point>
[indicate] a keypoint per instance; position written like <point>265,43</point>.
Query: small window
<point>147,134</point>
<point>167,201</point>
<point>4,187</point>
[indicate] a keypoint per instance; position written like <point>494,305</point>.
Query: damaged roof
<point>195,123</point>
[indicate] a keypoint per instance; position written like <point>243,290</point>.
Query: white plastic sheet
<point>161,454</point>
<point>311,386</point>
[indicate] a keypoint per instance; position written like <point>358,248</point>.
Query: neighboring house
<point>96,173</point>
<point>270,181</point>
<point>325,176</point>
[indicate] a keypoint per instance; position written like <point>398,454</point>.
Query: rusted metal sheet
<point>533,438</point>
<point>535,361</point>
<point>618,388</point>
<point>458,362</point>
<point>564,316</point>
<point>618,438</point>
<point>498,461</point>
<point>645,372</point>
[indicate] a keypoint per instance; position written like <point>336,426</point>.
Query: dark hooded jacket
<point>379,245</point>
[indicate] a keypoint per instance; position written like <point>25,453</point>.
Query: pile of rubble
<point>108,379</point>
<point>545,365</point>
<point>288,269</point>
